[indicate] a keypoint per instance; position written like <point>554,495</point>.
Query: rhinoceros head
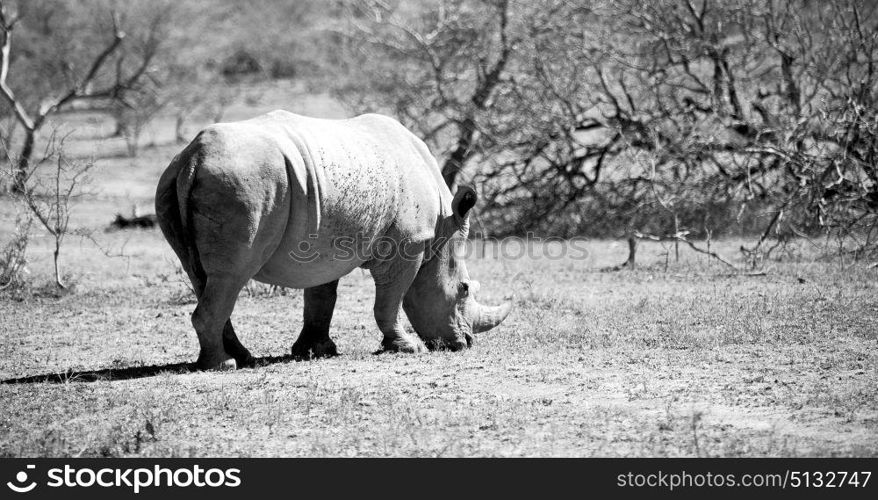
<point>441,303</point>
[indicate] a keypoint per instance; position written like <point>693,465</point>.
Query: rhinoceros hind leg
<point>314,340</point>
<point>235,348</point>
<point>211,315</point>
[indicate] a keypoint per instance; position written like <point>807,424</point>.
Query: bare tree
<point>751,114</point>
<point>755,103</point>
<point>438,71</point>
<point>13,257</point>
<point>82,87</point>
<point>135,111</point>
<point>49,197</point>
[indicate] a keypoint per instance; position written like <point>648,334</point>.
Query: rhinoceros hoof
<point>314,349</point>
<point>245,361</point>
<point>440,344</point>
<point>216,364</point>
<point>411,346</point>
<point>242,356</point>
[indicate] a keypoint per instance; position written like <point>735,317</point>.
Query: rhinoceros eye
<point>463,288</point>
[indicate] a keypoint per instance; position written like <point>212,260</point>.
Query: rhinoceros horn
<point>488,317</point>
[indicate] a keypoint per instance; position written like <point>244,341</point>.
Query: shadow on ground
<point>133,372</point>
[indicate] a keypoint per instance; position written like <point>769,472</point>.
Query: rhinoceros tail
<point>172,212</point>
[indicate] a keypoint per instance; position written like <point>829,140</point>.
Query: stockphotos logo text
<point>135,479</point>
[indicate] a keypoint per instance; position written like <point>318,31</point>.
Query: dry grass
<point>683,361</point>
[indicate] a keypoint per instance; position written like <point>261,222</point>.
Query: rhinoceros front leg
<point>392,281</point>
<point>314,339</point>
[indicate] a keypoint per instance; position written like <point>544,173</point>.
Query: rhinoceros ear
<point>464,200</point>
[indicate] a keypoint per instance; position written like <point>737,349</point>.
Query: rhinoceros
<point>271,198</point>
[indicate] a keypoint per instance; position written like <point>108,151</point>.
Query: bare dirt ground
<point>687,359</point>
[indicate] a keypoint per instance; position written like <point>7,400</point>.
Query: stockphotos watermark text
<point>133,479</point>
<point>385,248</point>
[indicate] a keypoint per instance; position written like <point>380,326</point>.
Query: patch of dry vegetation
<point>685,362</point>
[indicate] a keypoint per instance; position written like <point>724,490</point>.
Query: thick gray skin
<point>243,196</point>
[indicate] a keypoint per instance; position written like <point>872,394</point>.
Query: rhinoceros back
<point>352,180</point>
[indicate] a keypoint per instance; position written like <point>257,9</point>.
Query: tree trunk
<point>56,256</point>
<point>179,136</point>
<point>23,162</point>
<point>132,141</point>
<point>632,252</point>
<point>676,238</point>
<point>454,164</point>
